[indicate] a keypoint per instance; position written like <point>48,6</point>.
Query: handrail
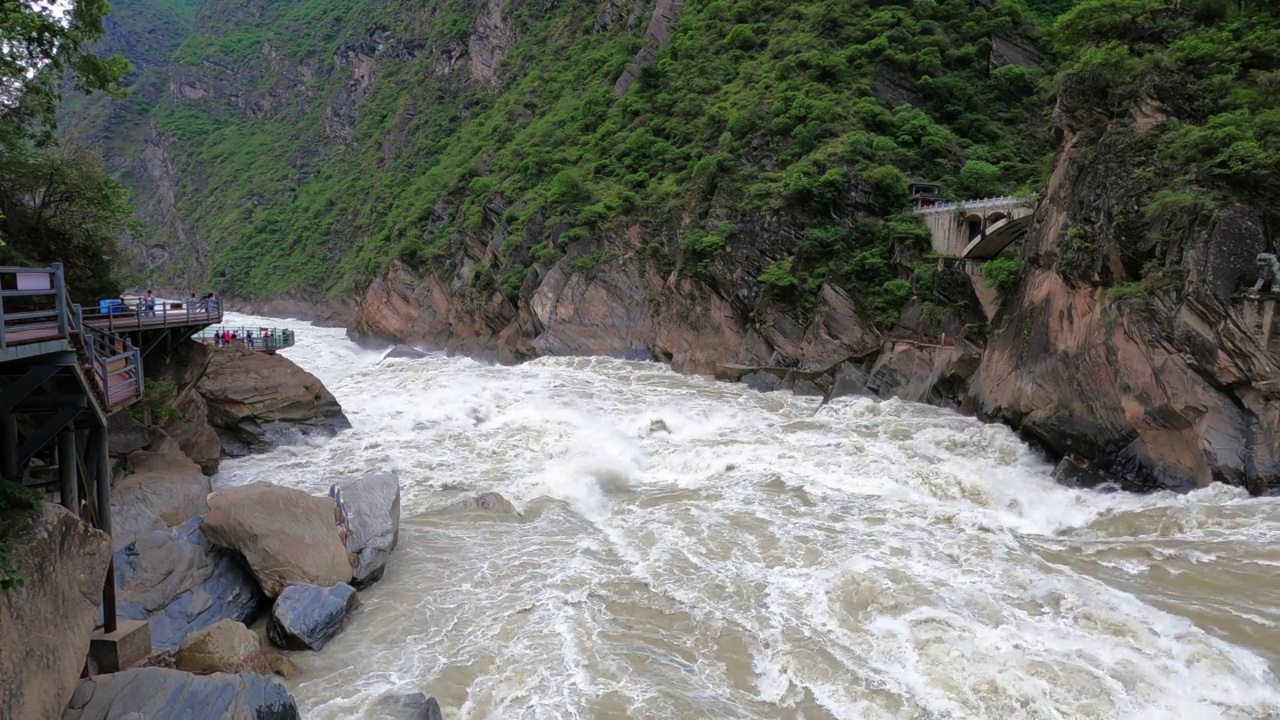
<point>975,204</point>
<point>255,338</point>
<point>136,315</point>
<point>40,323</point>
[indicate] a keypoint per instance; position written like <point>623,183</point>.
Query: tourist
<point>149,305</point>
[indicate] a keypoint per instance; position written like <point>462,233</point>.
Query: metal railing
<point>262,339</point>
<point>33,305</point>
<point>1007,200</point>
<point>116,365</point>
<point>117,315</point>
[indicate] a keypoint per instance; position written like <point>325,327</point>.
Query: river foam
<point>696,549</point>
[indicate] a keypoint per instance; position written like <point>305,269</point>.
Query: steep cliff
<point>1129,346</point>
<point>727,183</point>
<point>701,170</point>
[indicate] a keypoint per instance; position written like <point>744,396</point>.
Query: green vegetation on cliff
<point>812,115</point>
<point>1205,77</point>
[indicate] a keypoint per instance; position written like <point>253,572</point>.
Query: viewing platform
<point>63,370</point>
<point>260,339</point>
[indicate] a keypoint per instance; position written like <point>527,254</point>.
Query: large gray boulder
<point>164,488</point>
<point>285,535</point>
<point>163,694</point>
<point>369,509</point>
<point>183,582</point>
<point>45,624</point>
<point>305,617</point>
<point>224,647</point>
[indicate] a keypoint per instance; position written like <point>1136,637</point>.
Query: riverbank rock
<point>257,399</point>
<point>306,617</point>
<point>164,488</point>
<point>414,706</point>
<point>159,694</point>
<point>224,647</point>
<point>286,536</point>
<point>45,624</point>
<point>281,665</point>
<point>194,434</point>
<point>371,517</point>
<point>125,434</point>
<point>182,582</point>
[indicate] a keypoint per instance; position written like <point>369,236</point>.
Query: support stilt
<point>68,468</point>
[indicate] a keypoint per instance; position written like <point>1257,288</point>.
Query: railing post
<point>137,361</point>
<point>2,342</point>
<point>60,298</point>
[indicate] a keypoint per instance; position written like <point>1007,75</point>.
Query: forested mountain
<point>711,181</point>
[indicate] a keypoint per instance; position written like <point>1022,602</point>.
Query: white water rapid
<point>693,549</point>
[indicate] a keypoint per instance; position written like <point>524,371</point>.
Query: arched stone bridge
<point>977,229</point>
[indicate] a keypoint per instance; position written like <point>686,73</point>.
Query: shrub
<point>1002,273</point>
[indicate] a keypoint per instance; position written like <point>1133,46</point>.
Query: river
<point>695,549</point>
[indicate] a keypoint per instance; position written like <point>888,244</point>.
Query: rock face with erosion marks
<point>224,647</point>
<point>286,536</point>
<point>369,510</point>
<point>249,394</point>
<point>182,582</point>
<point>1173,387</point>
<point>161,694</point>
<point>164,489</point>
<point>194,434</point>
<point>45,624</point>
<point>305,617</point>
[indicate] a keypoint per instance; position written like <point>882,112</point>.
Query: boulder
<point>125,434</point>
<point>45,624</point>
<point>224,647</point>
<point>281,665</point>
<point>305,617</point>
<point>194,434</point>
<point>414,706</point>
<point>285,535</point>
<point>248,393</point>
<point>370,510</point>
<point>182,582</point>
<point>164,489</point>
<point>404,352</point>
<point>489,502</point>
<point>163,694</point>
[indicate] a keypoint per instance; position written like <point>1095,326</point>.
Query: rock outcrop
<point>224,647</point>
<point>182,582</point>
<point>414,706</point>
<point>159,693</point>
<point>286,536</point>
<point>370,509</point>
<point>487,502</point>
<point>306,617</point>
<point>45,624</point>
<point>194,434</point>
<point>1165,389</point>
<point>403,352</point>
<point>250,394</point>
<point>164,488</point>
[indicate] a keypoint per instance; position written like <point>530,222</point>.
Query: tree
<point>56,203</point>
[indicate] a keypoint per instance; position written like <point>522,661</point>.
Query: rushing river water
<point>693,549</point>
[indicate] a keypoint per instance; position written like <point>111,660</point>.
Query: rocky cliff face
<point>1167,388</point>
<point>715,187</point>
